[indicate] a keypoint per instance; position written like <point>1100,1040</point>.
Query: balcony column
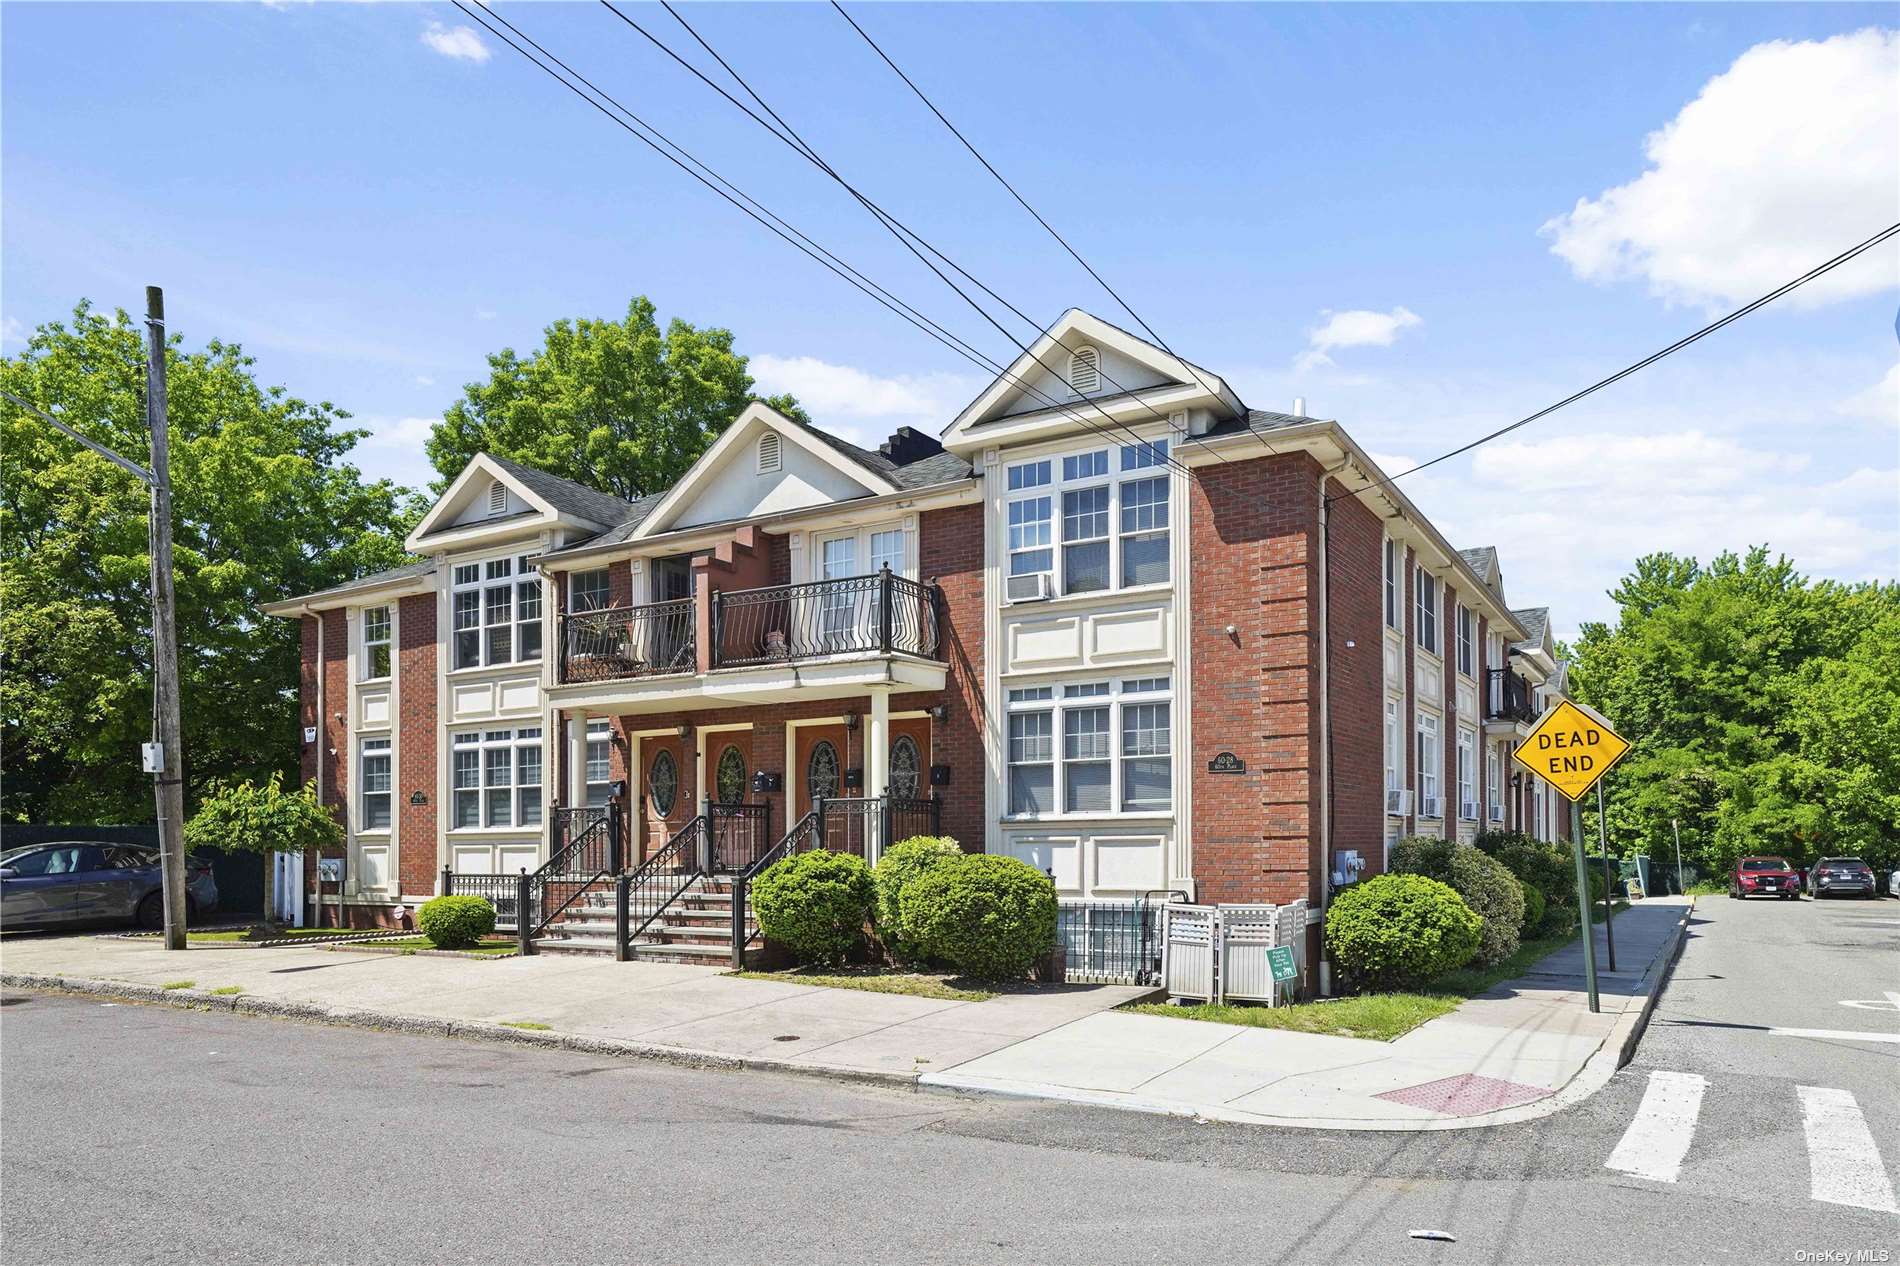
<point>877,763</point>
<point>575,734</point>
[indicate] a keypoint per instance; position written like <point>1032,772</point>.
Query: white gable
<point>1116,373</point>
<point>735,480</point>
<point>480,502</point>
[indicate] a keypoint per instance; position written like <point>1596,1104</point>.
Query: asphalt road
<point>147,1134</point>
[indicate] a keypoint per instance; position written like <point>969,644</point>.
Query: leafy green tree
<point>250,817</point>
<point>618,405</point>
<point>265,507</point>
<point>1762,706</point>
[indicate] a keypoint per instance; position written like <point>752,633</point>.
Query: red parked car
<point>1765,877</point>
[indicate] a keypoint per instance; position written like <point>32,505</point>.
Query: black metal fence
<point>880,613</point>
<point>619,642</point>
<point>905,817</point>
<point>1111,942</point>
<point>1507,696</point>
<point>738,834</point>
<point>803,836</point>
<point>501,891</point>
<point>849,825</point>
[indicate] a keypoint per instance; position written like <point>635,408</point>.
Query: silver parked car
<point>86,881</point>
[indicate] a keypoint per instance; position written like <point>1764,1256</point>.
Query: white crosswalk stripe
<point>1658,1139</point>
<point>1844,1165</point>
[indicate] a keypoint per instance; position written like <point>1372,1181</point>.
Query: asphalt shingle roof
<point>407,571</point>
<point>1535,620</point>
<point>570,497</point>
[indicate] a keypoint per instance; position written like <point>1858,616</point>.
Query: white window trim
<point>1394,745</point>
<point>522,569</point>
<point>1114,477</point>
<point>1493,775</point>
<point>862,549</point>
<point>573,593</point>
<point>1423,583</point>
<point>1467,769</point>
<point>376,745</point>
<point>1115,700</point>
<point>1392,613</point>
<point>1465,634</point>
<point>516,738</point>
<point>597,730</point>
<point>364,645</point>
<point>1430,772</point>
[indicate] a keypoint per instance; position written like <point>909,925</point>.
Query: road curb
<point>470,1030</point>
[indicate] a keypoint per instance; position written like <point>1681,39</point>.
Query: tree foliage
<point>1764,709</point>
<point>618,405</point>
<point>265,506</point>
<point>251,817</point>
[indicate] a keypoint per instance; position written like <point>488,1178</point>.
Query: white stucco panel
<point>1119,635</point>
<point>1044,643</point>
<point>520,695</point>
<point>1060,855</point>
<point>1129,863</point>
<point>373,709</point>
<point>473,699</point>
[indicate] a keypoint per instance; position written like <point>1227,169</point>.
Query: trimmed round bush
<point>901,864</point>
<point>1534,906</point>
<point>1486,886</point>
<point>1399,931</point>
<point>457,921</point>
<point>815,904</point>
<point>987,916</point>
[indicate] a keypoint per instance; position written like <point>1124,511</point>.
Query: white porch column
<point>576,736</point>
<point>877,744</point>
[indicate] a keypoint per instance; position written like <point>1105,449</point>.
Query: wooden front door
<point>664,787</point>
<point>820,756</point>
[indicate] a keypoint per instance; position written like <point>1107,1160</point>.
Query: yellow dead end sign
<point>1570,749</point>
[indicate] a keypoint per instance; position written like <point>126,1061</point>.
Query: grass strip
<point>179,984</point>
<point>534,1026</point>
<point>910,984</point>
<point>225,991</point>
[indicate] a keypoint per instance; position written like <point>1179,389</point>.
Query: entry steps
<point>696,928</point>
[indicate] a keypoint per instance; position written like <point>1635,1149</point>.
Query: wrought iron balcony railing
<point>877,614</point>
<point>618,642</point>
<point>1507,697</point>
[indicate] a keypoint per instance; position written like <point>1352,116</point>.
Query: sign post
<point>1571,748</point>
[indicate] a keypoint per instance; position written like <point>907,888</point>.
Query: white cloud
<point>460,42</point>
<point>11,331</point>
<point>486,314</point>
<point>860,406</point>
<point>1781,162</point>
<point>1356,327</point>
<point>1879,402</point>
<point>1658,463</point>
<point>423,380</point>
<point>394,432</point>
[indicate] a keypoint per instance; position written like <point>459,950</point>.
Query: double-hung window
<point>1394,747</point>
<point>1108,519</point>
<point>1467,776</point>
<point>1091,748</point>
<point>600,764</point>
<point>588,590</point>
<point>1427,610</point>
<point>373,778</point>
<point>495,607</point>
<point>1391,584</point>
<point>1431,754</point>
<point>497,778</point>
<point>375,643</point>
<point>1467,640</point>
<point>1494,781</point>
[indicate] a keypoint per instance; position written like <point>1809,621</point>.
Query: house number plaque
<point>1227,763</point>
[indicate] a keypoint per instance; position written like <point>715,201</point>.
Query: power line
<point>898,229</point>
<point>1644,363</point>
<point>740,199</point>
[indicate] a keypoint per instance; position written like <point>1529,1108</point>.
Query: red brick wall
<point>950,552</point>
<point>1252,534</point>
<point>418,743</point>
<point>1409,722</point>
<point>333,734</point>
<point>308,713</point>
<point>1356,690</point>
<point>778,553</point>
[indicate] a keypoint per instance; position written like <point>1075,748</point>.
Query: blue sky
<point>1426,220</point>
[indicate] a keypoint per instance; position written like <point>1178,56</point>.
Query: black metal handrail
<point>643,895</point>
<point>616,642</point>
<point>882,613</point>
<point>803,836</point>
<point>908,816</point>
<point>500,891</point>
<point>590,854</point>
<point>1507,697</point>
<point>738,834</point>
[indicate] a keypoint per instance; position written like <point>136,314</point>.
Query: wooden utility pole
<point>170,781</point>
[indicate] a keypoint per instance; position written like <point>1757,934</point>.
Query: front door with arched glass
<point>665,799</point>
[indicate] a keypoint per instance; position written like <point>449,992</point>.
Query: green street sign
<point>1280,959</point>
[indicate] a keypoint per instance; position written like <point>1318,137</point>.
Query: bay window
<point>497,778</point>
<point>495,610</point>
<point>373,780</point>
<point>375,643</point>
<point>1113,531</point>
<point>1092,748</point>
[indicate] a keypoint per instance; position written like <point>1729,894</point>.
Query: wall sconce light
<point>685,732</point>
<point>939,713</point>
<point>851,722</point>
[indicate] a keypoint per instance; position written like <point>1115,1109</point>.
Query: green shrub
<point>1559,918</point>
<point>815,904</point>
<point>989,917</point>
<point>1487,887</point>
<point>1398,931</point>
<point>1545,867</point>
<point>1534,905</point>
<point>456,922</point>
<point>901,864</point>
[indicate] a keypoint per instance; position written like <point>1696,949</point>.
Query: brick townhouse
<point>1112,621</point>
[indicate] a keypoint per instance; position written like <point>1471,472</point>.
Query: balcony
<point>1507,697</point>
<point>755,645</point>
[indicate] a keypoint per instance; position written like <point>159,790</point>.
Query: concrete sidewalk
<point>1525,1049</point>
<point>1522,1050</point>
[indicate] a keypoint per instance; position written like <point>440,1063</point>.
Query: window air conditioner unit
<point>1497,813</point>
<point>1428,806</point>
<point>1036,587</point>
<point>1468,811</point>
<point>1398,800</point>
